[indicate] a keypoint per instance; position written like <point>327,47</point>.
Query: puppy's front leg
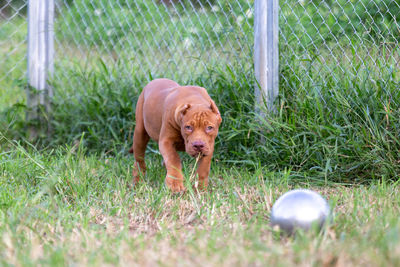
<point>203,171</point>
<point>174,178</point>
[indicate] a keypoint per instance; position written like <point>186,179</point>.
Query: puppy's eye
<point>210,128</point>
<point>188,128</point>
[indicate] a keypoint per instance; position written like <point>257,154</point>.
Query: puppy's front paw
<point>175,184</point>
<point>136,176</point>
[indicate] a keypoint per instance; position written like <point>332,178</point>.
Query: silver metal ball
<point>301,208</point>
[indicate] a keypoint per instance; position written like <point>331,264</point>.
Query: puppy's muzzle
<point>198,146</point>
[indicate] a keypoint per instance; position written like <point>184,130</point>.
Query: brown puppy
<point>179,118</point>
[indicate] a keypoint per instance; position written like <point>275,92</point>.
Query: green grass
<point>63,207</point>
<point>66,199</point>
<point>343,131</point>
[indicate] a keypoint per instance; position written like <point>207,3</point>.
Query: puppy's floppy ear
<point>180,112</point>
<point>216,111</point>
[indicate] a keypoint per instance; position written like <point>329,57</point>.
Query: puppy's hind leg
<point>140,140</point>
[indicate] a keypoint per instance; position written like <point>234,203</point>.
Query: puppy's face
<point>199,128</point>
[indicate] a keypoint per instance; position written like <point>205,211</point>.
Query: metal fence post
<point>266,52</point>
<point>40,61</point>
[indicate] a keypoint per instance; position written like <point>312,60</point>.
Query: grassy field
<point>64,207</point>
<point>66,199</point>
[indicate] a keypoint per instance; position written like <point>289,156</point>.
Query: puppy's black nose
<point>198,145</point>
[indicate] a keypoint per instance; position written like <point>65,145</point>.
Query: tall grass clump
<point>98,104</point>
<point>345,129</point>
<point>342,130</point>
<point>329,126</point>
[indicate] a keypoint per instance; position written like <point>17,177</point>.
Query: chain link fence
<point>13,49</point>
<point>321,42</point>
<point>171,38</point>
<point>326,42</point>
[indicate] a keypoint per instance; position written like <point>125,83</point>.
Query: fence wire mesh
<point>326,42</point>
<point>175,39</point>
<point>13,36</point>
<point>321,42</point>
